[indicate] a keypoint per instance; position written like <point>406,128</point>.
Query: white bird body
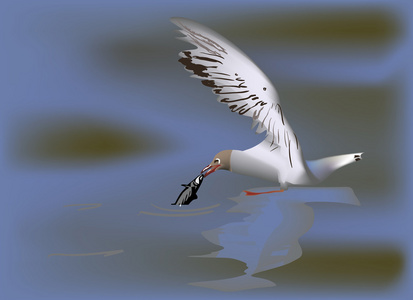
<point>261,163</point>
<point>246,90</point>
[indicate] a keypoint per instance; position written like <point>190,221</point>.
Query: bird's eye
<point>217,160</point>
<point>264,88</point>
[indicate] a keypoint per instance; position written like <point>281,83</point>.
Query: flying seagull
<point>246,90</point>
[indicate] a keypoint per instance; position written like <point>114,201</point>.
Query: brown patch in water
<point>76,139</point>
<point>317,25</point>
<point>367,268</point>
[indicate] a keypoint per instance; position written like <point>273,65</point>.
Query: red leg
<point>248,193</point>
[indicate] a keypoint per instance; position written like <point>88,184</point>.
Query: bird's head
<point>221,161</point>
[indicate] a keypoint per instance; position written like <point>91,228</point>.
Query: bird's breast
<point>245,163</point>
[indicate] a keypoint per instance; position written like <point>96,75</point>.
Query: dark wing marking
<point>236,80</point>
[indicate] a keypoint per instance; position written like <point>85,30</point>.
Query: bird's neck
<point>322,168</point>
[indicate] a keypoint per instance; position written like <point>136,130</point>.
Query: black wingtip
<point>357,157</point>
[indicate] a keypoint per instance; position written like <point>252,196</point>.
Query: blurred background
<point>97,113</point>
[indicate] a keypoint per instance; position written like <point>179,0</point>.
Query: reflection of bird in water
<point>268,237</point>
<point>241,85</point>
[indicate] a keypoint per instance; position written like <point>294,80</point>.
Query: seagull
<point>247,91</point>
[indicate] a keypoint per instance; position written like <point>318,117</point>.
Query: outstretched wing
<point>237,81</point>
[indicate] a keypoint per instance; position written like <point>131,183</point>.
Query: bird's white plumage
<point>240,84</point>
<point>246,90</point>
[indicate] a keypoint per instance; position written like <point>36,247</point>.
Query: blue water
<point>73,58</point>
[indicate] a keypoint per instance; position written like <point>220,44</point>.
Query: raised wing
<point>237,81</point>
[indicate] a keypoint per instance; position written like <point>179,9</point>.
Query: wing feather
<point>237,81</point>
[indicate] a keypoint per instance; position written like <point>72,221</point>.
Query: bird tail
<point>322,168</point>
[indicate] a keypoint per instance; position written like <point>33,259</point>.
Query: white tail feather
<point>322,168</point>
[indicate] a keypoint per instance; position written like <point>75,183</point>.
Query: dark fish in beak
<point>189,192</point>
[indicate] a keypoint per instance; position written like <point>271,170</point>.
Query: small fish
<point>189,192</point>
